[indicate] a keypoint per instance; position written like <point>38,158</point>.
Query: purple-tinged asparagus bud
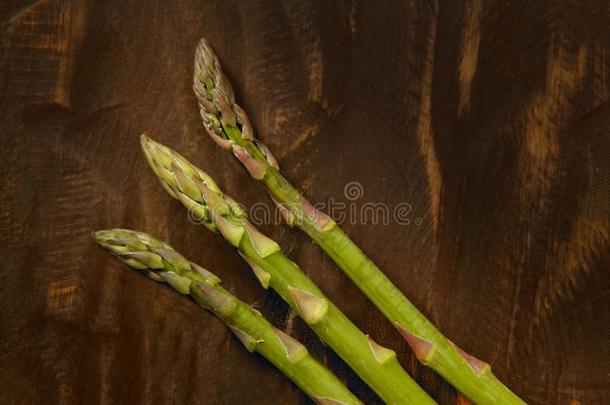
<point>223,84</point>
<point>382,354</point>
<point>263,245</point>
<point>209,72</point>
<point>206,64</point>
<point>321,221</point>
<point>247,133</point>
<point>210,117</point>
<point>227,115</point>
<point>202,73</point>
<point>310,307</point>
<point>205,99</point>
<point>256,169</point>
<point>202,81</point>
<point>477,366</point>
<point>295,351</point>
<point>263,276</point>
<point>248,341</point>
<point>284,212</point>
<point>422,349</point>
<point>268,155</point>
<point>217,139</point>
<point>213,127</point>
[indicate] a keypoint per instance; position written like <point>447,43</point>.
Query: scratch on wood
<point>49,30</point>
<point>471,38</point>
<point>590,236</point>
<point>352,19</point>
<point>315,68</point>
<point>67,220</point>
<point>544,117</point>
<point>18,13</point>
<point>301,137</point>
<point>600,72</point>
<point>303,21</point>
<point>62,373</point>
<point>61,297</point>
<point>108,309</point>
<point>424,128</point>
<point>106,360</point>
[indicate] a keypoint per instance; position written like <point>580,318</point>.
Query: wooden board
<point>489,120</point>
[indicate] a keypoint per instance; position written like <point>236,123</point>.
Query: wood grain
<point>489,118</point>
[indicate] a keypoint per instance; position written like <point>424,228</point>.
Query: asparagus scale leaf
<point>162,263</point>
<point>229,126</point>
<point>376,365</point>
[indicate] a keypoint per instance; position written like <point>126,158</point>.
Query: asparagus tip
<point>256,169</point>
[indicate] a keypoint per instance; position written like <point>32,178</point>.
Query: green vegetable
<point>228,125</point>
<point>375,364</point>
<point>162,263</point>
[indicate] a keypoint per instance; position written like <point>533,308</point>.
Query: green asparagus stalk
<point>228,125</point>
<point>161,262</point>
<point>375,364</point>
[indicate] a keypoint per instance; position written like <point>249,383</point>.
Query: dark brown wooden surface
<point>490,118</point>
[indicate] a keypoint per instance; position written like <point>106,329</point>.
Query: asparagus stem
<point>162,263</point>
<point>376,365</point>
<point>228,124</point>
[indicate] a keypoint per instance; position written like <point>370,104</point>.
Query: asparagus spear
<point>162,263</point>
<point>228,125</point>
<point>375,364</point>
